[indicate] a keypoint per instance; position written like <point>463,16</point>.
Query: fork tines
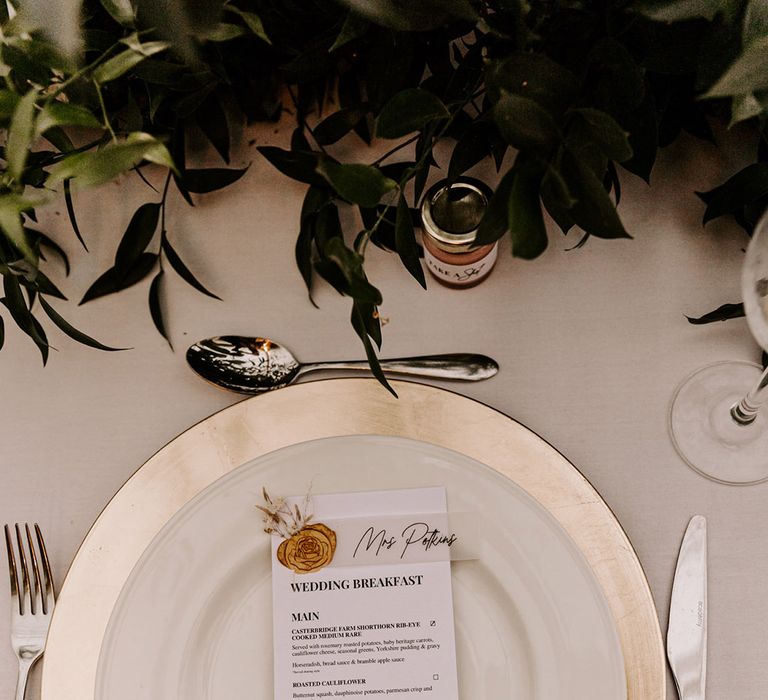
<point>30,570</point>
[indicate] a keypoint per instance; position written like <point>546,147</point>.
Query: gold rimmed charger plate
<point>330,408</point>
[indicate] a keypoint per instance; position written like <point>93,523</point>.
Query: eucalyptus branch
<point>104,112</point>
<point>80,73</point>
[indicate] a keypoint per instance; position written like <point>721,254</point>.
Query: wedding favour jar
<point>450,216</point>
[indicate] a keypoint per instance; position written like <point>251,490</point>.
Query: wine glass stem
<point>747,409</point>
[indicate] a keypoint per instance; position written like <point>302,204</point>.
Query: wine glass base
<point>706,436</point>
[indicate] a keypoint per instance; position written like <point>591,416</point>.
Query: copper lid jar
<point>450,216</point>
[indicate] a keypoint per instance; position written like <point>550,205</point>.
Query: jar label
<point>468,273</point>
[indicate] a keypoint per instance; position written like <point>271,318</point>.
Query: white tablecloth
<point>591,344</point>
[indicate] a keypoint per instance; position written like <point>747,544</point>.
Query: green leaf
<point>642,126</point>
<point>201,181</point>
<point>678,10</point>
<point>212,120</point>
<point>746,186</point>
<point>350,264</point>
<point>355,182</point>
<point>20,134</point>
<point>473,147</point>
<point>296,165</point>
<point>358,323</point>
<point>71,213</point>
<point>746,74</point>
<point>114,280</point>
<point>525,124</point>
<point>124,61</point>
<point>495,221</point>
<point>557,198</point>
<point>224,31</point>
<point>315,200</point>
<point>65,114</point>
<point>155,306</point>
<point>9,101</point>
<point>97,167</point>
<point>120,10</point>
<point>353,28</point>
<point>337,125</point>
<point>744,107</point>
<point>20,313</point>
<point>183,271</point>
<point>603,130</point>
<point>71,331</point>
<point>534,76</point>
<point>526,222</point>
<point>593,209</point>
<point>408,111</point>
<point>722,313</point>
<point>38,238</point>
<point>405,242</point>
<point>138,235</point>
<point>252,21</point>
<point>755,22</point>
<point>11,208</point>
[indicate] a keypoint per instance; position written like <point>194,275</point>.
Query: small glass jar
<point>450,216</point>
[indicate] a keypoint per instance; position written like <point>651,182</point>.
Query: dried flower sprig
<point>281,519</point>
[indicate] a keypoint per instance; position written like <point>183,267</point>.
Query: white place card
<point>382,629</point>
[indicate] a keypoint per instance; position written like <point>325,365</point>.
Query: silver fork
<point>32,599</point>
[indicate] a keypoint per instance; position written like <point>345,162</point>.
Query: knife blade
<point>687,631</point>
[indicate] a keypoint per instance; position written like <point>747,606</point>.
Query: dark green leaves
<point>405,242</point>
<point>132,262</point>
<point>155,306</point>
<point>526,223</point>
<point>350,264</point>
<point>201,181</point>
<point>602,130</point>
<point>114,280</point>
<point>592,209</point>
<point>337,125</point>
<point>745,187</point>
<point>409,111</point>
<point>534,76</point>
<point>21,313</point>
<point>182,270</point>
<point>525,124</point>
<point>363,318</point>
<point>722,313</point>
<point>360,184</point>
<point>70,330</point>
<point>295,164</point>
<point>138,235</point>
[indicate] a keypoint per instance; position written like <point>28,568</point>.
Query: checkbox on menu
<point>435,677</point>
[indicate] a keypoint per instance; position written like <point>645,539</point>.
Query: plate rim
<point>83,609</point>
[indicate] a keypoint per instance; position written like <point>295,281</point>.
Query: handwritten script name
<point>419,535</point>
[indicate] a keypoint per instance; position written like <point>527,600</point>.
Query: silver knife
<point>687,632</point>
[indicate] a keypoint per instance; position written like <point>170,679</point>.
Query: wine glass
<point>716,422</point>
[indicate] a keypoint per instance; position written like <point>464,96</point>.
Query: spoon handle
<point>463,366</point>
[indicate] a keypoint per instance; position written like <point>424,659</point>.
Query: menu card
<point>382,628</point>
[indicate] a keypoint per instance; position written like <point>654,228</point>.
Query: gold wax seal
<point>310,549</point>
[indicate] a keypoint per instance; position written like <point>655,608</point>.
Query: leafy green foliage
<point>579,90</point>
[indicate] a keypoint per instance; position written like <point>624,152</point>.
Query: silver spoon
<point>254,365</point>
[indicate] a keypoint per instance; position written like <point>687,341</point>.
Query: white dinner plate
<point>194,621</point>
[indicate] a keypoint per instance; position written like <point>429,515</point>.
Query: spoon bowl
<point>254,365</point>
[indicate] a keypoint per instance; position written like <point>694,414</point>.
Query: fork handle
<point>21,683</point>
